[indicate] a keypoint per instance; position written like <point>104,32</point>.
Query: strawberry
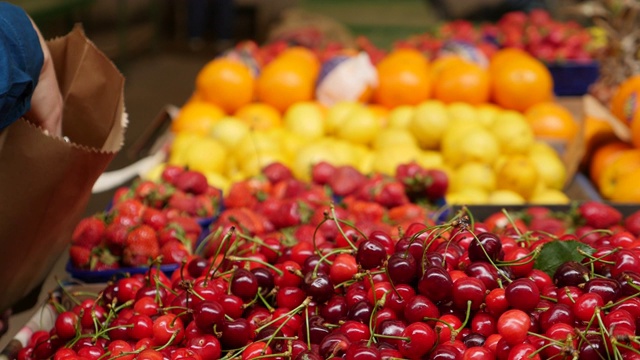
<point>407,213</point>
<point>632,223</point>
<point>183,202</point>
<point>205,206</point>
<point>171,172</point>
<point>173,252</point>
<point>288,188</point>
<point>115,237</point>
<point>346,180</point>
<point>88,232</point>
<point>141,246</point>
<point>154,218</point>
<point>322,172</point>
<point>548,225</point>
<point>245,220</point>
<point>305,233</point>
<point>80,256</point>
<point>437,184</point>
<point>391,194</point>
<point>132,208</point>
<point>247,193</point>
<point>599,215</point>
<point>276,172</point>
<point>192,182</point>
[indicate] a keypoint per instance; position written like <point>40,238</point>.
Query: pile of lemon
<point>490,154</point>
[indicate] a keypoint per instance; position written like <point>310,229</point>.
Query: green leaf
<point>555,253</point>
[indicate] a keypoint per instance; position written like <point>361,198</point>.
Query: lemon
<point>473,175</point>
<point>206,154</point>
<point>486,113</point>
<point>518,173</point>
<point>309,155</point>
<point>360,126</point>
<point>513,132</point>
<point>219,181</point>
<point>337,114</point>
<point>505,197</point>
<point>461,111</point>
<point>387,160</point>
<point>155,173</point>
<point>429,122</point>
<point>305,119</point>
<point>179,146</point>
<point>430,159</point>
<point>469,143</point>
<point>546,196</point>
<point>541,146</point>
<point>390,137</point>
<point>289,143</point>
<point>400,116</point>
<point>469,196</point>
<point>255,143</point>
<point>551,169</point>
<point>253,164</point>
<point>229,131</point>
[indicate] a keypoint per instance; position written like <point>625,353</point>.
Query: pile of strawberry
<point>528,285</point>
<point>149,221</point>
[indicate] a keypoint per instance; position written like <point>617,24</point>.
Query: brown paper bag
<point>45,182</point>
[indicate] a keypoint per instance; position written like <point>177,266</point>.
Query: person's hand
<point>46,101</point>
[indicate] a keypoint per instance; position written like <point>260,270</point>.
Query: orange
<point>304,55</point>
<point>552,121</point>
<point>635,129</point>
<point>197,117</point>
<point>627,189</point>
<point>596,132</point>
<point>259,116</point>
<point>403,79</point>
<point>625,163</point>
<point>519,82</point>
<point>504,56</point>
<point>285,81</point>
<point>603,156</point>
<point>461,81</point>
<point>624,102</point>
<point>225,82</point>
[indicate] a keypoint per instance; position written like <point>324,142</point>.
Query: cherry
<point>361,351</point>
<point>524,351</point>
<point>335,309</point>
<point>608,289</point>
<point>402,268</point>
<point>255,350</point>
<point>265,279</point>
<point>626,260</point>
<point>485,272</point>
<point>208,314</point>
<point>67,325</point>
<point>436,284</point>
<point>570,273</point>
<point>355,331</point>
<point>391,331</point>
<point>371,253</point>
<point>360,312</point>
<point>334,345</point>
<point>513,325</point>
<point>522,294</point>
<point>585,306</point>
<point>244,284</point>
<point>344,268</point>
<point>486,247</point>
<point>290,297</point>
<point>167,329</point>
<point>235,333</point>
<point>142,327</point>
<point>558,313</point>
<point>470,290</point>
<point>232,305</point>
<point>318,286</point>
<point>397,299</point>
<point>316,330</point>
<point>483,324</point>
<point>119,349</point>
<point>419,339</point>
<point>419,308</point>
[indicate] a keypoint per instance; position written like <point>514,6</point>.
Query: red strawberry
<point>141,246</point>
<point>171,172</point>
<point>322,172</point>
<point>599,215</point>
<point>80,256</point>
<point>154,218</point>
<point>89,232</point>
<point>392,194</point>
<point>548,225</point>
<point>192,182</point>
<point>346,180</point>
<point>173,252</point>
<point>115,237</point>
<point>183,202</point>
<point>205,205</point>
<point>247,193</point>
<point>407,213</point>
<point>104,261</point>
<point>632,223</point>
<point>132,208</point>
<point>437,184</point>
<point>276,172</point>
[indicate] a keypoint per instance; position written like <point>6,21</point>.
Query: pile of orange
<point>403,79</point>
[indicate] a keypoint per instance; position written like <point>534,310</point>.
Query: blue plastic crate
<point>573,78</point>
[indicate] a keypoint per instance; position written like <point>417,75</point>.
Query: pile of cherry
<point>303,279</point>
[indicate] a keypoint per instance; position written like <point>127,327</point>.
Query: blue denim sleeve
<point>21,60</point>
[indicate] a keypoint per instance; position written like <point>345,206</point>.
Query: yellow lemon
<point>429,122</point>
<point>461,111</point>
<point>469,196</point>
<point>473,175</point>
<point>253,164</point>
<point>360,126</point>
<point>179,146</point>
<point>546,196</point>
<point>551,169</point>
<point>518,173</point>
<point>305,119</point>
<point>387,160</point>
<point>542,147</point>
<point>337,114</point>
<point>391,137</point>
<point>218,180</point>
<point>155,173</point>
<point>513,132</point>
<point>309,155</point>
<point>206,154</point>
<point>469,143</point>
<point>400,116</point>
<point>430,159</point>
<point>229,131</point>
<point>486,113</point>
<point>505,197</point>
<point>255,143</point>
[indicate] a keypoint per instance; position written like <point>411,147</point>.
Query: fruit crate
<point>573,78</point>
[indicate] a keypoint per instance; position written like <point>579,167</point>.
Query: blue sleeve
<point>21,60</point>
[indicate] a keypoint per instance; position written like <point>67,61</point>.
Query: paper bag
<point>45,182</point>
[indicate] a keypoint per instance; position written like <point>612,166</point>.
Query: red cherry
<point>513,325</point>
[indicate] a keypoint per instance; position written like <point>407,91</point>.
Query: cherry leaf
<point>555,253</point>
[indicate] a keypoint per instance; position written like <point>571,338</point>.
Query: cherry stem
<point>173,337</point>
<point>466,318</point>
<point>407,339</point>
<point>305,303</point>
<point>325,256</point>
<point>66,292</point>
<point>604,333</point>
<point>265,302</point>
<point>338,221</point>
<point>226,238</point>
